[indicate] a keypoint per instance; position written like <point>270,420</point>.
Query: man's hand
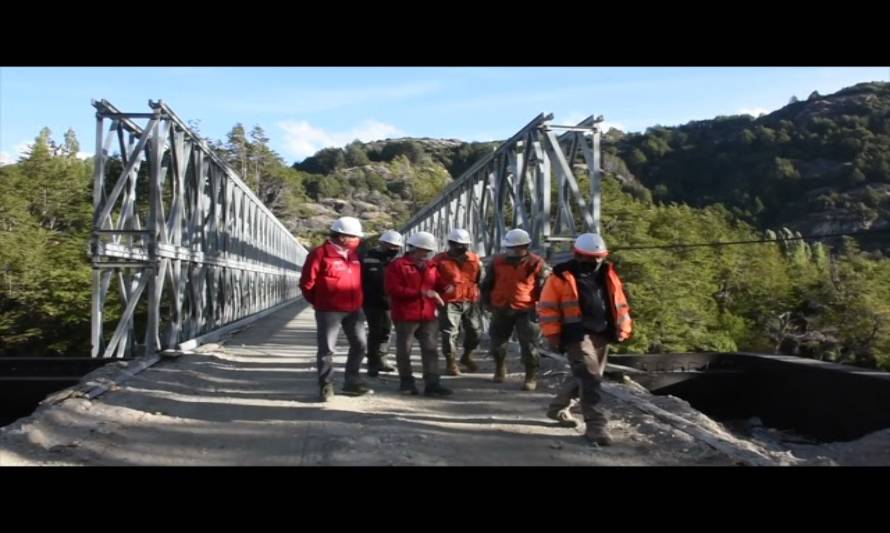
<point>435,296</point>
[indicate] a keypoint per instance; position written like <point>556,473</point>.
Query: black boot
<point>408,388</point>
<point>435,389</point>
<point>356,387</point>
<point>500,369</point>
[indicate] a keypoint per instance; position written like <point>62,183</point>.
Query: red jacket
<point>331,283</point>
<point>405,284</point>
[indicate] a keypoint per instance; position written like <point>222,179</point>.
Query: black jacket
<point>374,264</point>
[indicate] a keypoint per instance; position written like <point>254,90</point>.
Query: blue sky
<point>306,109</point>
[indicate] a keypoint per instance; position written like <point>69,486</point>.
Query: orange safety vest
<point>462,275</point>
<point>560,304</point>
<point>514,286</point>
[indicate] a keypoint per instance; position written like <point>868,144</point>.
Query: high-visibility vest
<point>560,304</point>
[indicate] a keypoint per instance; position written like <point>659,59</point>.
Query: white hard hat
<point>591,244</point>
<point>424,240</point>
<point>348,226</point>
<point>392,237</point>
<point>460,236</point>
<point>516,237</point>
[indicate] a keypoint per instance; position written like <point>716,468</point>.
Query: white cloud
<point>302,139</point>
<point>18,151</point>
<point>21,150</point>
<point>753,111</point>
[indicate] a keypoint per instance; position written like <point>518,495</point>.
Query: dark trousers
<point>379,328</point>
<point>503,322</point>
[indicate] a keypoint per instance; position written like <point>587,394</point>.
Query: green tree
<point>71,147</point>
<point>355,155</point>
<point>236,151</point>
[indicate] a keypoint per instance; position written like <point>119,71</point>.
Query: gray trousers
<point>454,316</point>
<point>588,361</point>
<point>503,321</point>
<point>429,355</point>
<point>327,327</point>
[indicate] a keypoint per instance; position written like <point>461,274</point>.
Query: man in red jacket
<point>332,282</point>
<point>412,283</point>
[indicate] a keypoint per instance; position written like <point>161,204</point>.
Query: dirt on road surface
<point>253,401</point>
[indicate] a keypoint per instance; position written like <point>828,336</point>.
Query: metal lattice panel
<point>528,182</point>
<point>189,246</point>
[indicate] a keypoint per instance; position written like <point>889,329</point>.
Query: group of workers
<point>579,307</point>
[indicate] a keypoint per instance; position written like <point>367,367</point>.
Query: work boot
<point>435,389</point>
<point>575,408</point>
<point>451,366</point>
<point>408,388</point>
<point>500,370</point>
<point>378,364</point>
<point>468,362</point>
<point>356,388</point>
<point>597,431</point>
<point>599,435</point>
<point>384,365</point>
<point>327,392</point>
<point>531,379</point>
<point>563,416</point>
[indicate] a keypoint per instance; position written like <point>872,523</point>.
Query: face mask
<point>590,266</point>
<point>458,251</point>
<point>390,253</point>
<point>513,252</point>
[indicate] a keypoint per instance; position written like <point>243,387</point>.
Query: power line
<point>758,241</point>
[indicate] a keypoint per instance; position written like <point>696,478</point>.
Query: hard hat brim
<point>348,234</point>
<point>592,254</point>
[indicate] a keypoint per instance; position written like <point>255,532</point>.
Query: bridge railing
<point>190,248</point>
<point>529,182</point>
